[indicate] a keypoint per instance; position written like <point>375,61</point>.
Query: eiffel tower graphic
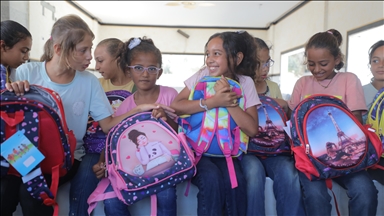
<point>270,128</point>
<point>343,140</point>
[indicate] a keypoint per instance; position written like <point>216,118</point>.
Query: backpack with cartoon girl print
<point>94,139</point>
<point>271,139</point>
<point>39,115</point>
<point>328,141</point>
<point>144,156</point>
<point>376,115</point>
<point>214,133</point>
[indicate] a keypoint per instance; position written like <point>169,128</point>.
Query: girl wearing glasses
<point>281,169</point>
<point>142,60</point>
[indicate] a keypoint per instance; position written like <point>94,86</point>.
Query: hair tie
<point>134,43</point>
<point>50,37</point>
<point>240,31</point>
<point>330,32</point>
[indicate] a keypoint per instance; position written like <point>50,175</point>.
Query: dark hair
<point>235,42</point>
<point>68,31</point>
<point>373,48</point>
<point>146,45</point>
<point>114,47</point>
<point>12,32</point>
<point>133,134</point>
<point>330,40</point>
<point>261,44</point>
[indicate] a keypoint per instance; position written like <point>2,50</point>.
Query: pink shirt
<point>246,82</point>
<point>166,96</point>
<point>345,85</point>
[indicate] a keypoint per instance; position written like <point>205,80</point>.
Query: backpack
<point>94,139</point>
<point>271,139</point>
<point>328,141</point>
<point>214,133</point>
<point>138,170</point>
<point>40,115</point>
<point>376,115</point>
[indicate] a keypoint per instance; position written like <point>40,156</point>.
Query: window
<point>179,67</point>
<point>359,42</point>
<point>292,68</point>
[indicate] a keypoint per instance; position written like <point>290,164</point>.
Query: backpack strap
<point>99,194</point>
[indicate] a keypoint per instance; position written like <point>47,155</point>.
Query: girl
<point>376,63</point>
<point>142,60</point>
<point>281,169</point>
<point>323,57</point>
<point>229,55</point>
<point>15,44</point>
<point>107,55</point>
<point>67,54</point>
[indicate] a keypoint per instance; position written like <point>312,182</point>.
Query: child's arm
<point>99,168</point>
<point>247,120</point>
<point>358,115</point>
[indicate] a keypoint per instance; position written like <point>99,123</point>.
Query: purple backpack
<point>143,156</point>
<point>94,139</point>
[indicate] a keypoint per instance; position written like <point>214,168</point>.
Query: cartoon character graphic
<point>115,104</point>
<point>150,154</point>
<point>92,129</point>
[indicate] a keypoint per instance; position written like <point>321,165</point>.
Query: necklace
<point>266,91</point>
<point>327,84</point>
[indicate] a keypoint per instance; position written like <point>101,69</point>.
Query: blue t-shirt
<point>82,96</point>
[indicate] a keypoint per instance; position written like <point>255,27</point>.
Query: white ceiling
<point>226,14</point>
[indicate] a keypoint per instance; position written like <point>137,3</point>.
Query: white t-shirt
<point>82,96</point>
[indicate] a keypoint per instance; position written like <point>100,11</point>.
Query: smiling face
<point>262,72</point>
<point>377,64</point>
<point>82,55</point>
<point>145,81</point>
<point>105,63</point>
<point>17,55</point>
<point>216,58</point>
<point>321,63</point>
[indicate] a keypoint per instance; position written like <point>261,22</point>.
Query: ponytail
<point>48,51</point>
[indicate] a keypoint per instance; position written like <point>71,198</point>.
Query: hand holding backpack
<point>214,133</point>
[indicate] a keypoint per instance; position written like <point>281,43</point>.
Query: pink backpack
<point>143,156</point>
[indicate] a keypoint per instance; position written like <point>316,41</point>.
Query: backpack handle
<point>19,117</point>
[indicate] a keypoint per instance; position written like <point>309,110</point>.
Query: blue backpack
<point>328,141</point>
<point>214,133</point>
<point>271,139</point>
<point>94,139</point>
<point>143,156</point>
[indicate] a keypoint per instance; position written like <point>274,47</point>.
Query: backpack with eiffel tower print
<point>271,139</point>
<point>328,141</point>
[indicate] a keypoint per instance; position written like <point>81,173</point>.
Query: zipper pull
<point>306,148</point>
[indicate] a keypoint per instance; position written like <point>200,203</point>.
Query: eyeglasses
<point>140,69</point>
<point>269,63</point>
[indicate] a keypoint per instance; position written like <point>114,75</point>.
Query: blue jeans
<point>286,184</point>
<point>166,204</point>
<point>82,185</point>
<point>360,189</point>
<point>215,192</point>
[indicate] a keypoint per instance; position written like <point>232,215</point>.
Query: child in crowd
<point>229,55</point>
<point>66,56</point>
<point>376,63</point>
<point>15,44</point>
<point>142,60</point>
<point>323,57</point>
<point>281,169</point>
<point>107,55</point>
